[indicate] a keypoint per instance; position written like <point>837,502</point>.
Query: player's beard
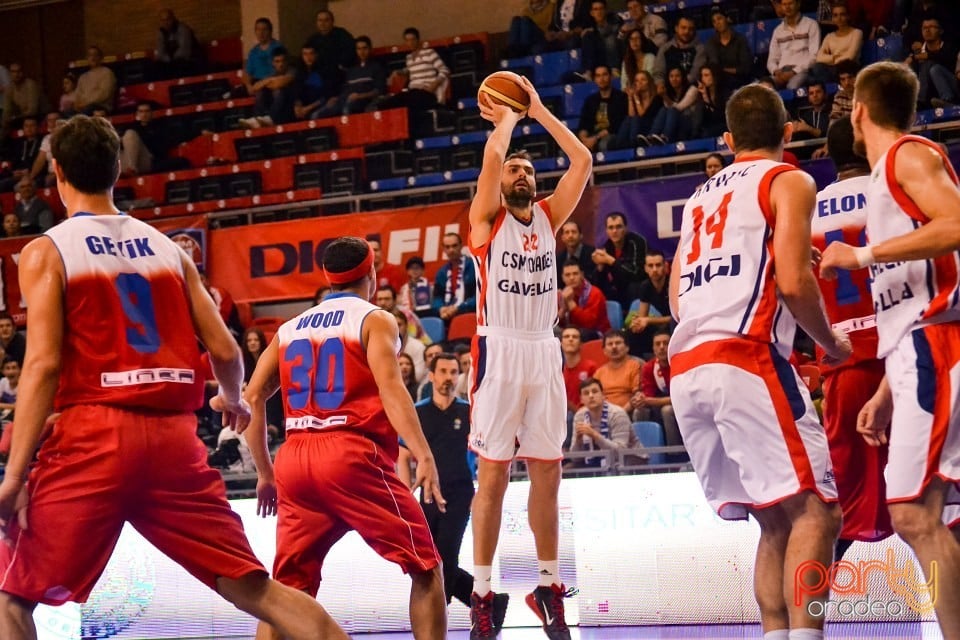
<point>516,199</point>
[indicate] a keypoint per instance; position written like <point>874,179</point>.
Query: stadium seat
<point>593,350</point>
<point>650,434</point>
<point>462,327</point>
<point>615,314</point>
<point>434,328</point>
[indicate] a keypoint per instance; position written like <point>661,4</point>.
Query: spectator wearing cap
<point>728,51</point>
<point>415,294</point>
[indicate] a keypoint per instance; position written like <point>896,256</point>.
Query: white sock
<point>806,634</point>
<point>481,579</point>
<point>779,634</point>
<point>549,572</point>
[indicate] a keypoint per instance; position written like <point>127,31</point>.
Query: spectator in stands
<point>259,64</point>
<point>387,273</point>
<point>934,63</point>
<point>843,44</point>
<point>620,376</point>
<point>254,344</point>
<point>335,50</point>
<point>11,225</point>
<point>22,155</point>
<point>572,247</point>
<point>69,96</point>
<point>275,95</point>
<point>34,213</point>
<point>713,164</point>
<point>643,107</point>
<point>178,51</point>
<point>315,97</point>
<point>582,304</point>
<point>526,35</point>
<point>636,16</point>
<point>813,118</point>
<point>847,71</point>
<point>793,47</point>
<point>683,52</point>
<point>428,78</point>
<point>8,388</point>
<point>653,312</point>
<point>425,390</point>
<point>97,85</point>
<point>728,51</point>
<point>409,374</point>
<point>576,369</point>
<point>709,115</point>
<point>455,286</point>
<point>654,396</point>
<point>620,261</point>
<point>602,113</point>
<point>923,10</point>
<point>639,56</point>
<point>599,40</point>
<point>22,98</point>
<point>145,146</point>
<point>386,298</point>
<point>365,81</point>
<point>42,172</point>
<point>465,360</point>
<point>12,342</point>
<point>415,294</point>
<point>4,82</point>
<point>601,424</point>
<point>413,348</point>
<point>675,120</point>
<point>570,18</point>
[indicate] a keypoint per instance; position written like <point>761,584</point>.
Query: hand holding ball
<point>503,88</point>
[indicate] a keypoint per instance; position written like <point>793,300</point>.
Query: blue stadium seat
<point>434,328</point>
<point>887,48</point>
<point>550,68</point>
<point>615,314</point>
<point>574,95</point>
<point>619,155</point>
<point>650,434</point>
<point>763,30</point>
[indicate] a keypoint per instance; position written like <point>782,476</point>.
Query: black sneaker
<point>481,617</point>
<point>547,603</point>
<point>500,601</point>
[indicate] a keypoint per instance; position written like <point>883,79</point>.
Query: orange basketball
<point>502,88</point>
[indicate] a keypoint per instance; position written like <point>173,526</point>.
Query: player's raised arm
<point>41,281</point>
<point>486,201</point>
<point>225,357</point>
<point>565,197</point>
<point>379,336</point>
<point>793,197</point>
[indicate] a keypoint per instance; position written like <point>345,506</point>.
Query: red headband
<point>356,273</point>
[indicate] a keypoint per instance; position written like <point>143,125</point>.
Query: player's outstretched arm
<point>486,201</point>
<point>264,382</point>
<point>379,335</point>
<point>792,197</point>
<point>921,173</point>
<point>565,197</point>
<point>41,282</point>
<point>225,357</point>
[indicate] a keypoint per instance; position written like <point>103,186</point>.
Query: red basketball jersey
<point>129,339</point>
<point>324,375</point>
<point>841,215</point>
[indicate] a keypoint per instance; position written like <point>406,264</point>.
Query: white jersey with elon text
<point>915,293</point>
<point>516,273</point>
<point>726,262</point>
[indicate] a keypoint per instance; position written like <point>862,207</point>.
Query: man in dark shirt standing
<point>620,262</point>
<point>602,112</point>
<point>335,50</point>
<point>446,425</point>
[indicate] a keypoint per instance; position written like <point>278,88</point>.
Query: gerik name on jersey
<point>129,248</point>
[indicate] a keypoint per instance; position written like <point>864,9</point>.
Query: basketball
<point>502,88</point>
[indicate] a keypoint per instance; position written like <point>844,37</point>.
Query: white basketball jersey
<point>915,293</point>
<point>725,258</point>
<point>516,273</point>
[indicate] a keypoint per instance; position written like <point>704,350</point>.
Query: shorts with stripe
<point>332,483</point>
<point>517,396</point>
<point>924,375</point>
<point>103,466</point>
<point>749,426</point>
<point>858,465</point>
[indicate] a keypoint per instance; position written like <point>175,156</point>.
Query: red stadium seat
<point>593,350</point>
<point>462,327</point>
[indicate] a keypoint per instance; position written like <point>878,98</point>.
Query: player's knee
<point>15,612</point>
<point>492,479</point>
<point>913,521</point>
<point>545,475</point>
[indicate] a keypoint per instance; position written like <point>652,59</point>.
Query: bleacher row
<point>382,152</point>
